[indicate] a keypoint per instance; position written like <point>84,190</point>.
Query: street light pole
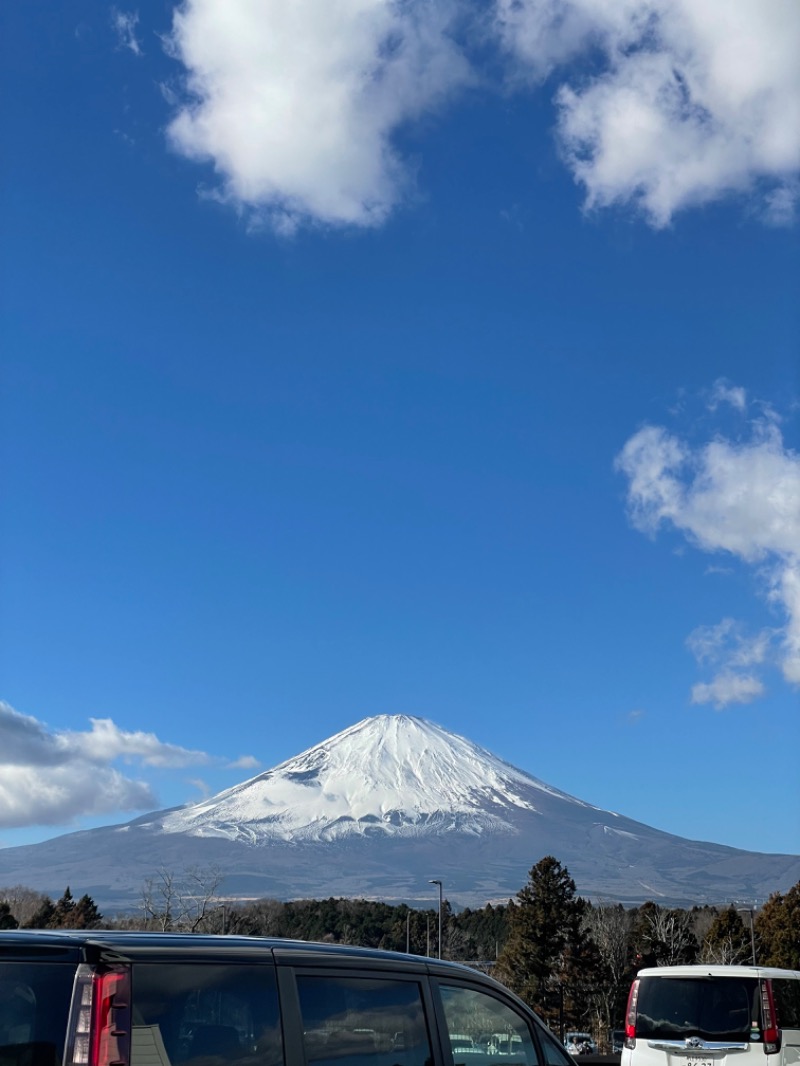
<point>439,883</point>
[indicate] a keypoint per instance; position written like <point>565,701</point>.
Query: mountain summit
<point>380,809</point>
<point>390,774</point>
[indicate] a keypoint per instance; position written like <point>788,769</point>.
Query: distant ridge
<point>379,809</point>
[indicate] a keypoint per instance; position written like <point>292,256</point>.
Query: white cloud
<point>124,24</point>
<point>58,795</point>
<point>786,591</point>
<point>727,688</point>
<point>296,104</point>
<point>664,104</point>
<point>106,742</point>
<point>703,101</point>
<point>52,778</point>
<point>687,101</point>
<point>736,497</point>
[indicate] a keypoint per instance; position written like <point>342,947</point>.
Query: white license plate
<point>698,1060</point>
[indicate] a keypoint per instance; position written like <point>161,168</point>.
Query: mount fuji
<point>376,812</point>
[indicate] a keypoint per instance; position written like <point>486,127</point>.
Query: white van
<point>713,1016</point>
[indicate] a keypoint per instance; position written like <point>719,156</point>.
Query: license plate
<point>699,1060</point>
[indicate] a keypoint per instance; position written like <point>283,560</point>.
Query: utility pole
<point>749,911</point>
<point>439,883</point>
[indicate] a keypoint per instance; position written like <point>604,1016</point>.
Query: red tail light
<point>630,1015</point>
<point>100,1019</point>
<point>769,1020</point>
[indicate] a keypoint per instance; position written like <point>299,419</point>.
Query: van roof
<point>128,944</point>
<point>699,970</point>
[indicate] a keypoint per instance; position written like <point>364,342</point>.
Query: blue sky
<point>366,358</point>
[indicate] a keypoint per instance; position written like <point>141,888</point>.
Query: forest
<point>570,959</point>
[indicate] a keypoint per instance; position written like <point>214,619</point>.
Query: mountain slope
<point>380,809</point>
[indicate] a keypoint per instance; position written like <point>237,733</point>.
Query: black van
<point>97,998</point>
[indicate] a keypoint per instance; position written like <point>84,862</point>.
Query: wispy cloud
<point>298,106</point>
<point>727,642</point>
<point>244,762</point>
<point>51,778</point>
<point>740,498</point>
<point>723,392</point>
<point>727,688</point>
<point>124,24</point>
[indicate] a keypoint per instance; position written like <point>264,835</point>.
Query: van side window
<point>787,1002</point>
<point>359,1021</point>
<point>554,1054</point>
<point>205,1015</point>
<point>484,1031</point>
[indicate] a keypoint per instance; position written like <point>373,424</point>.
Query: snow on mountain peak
<point>394,774</point>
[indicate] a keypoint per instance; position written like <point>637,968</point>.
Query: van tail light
<point>100,1018</point>
<point>769,1020</point>
<point>630,1015</point>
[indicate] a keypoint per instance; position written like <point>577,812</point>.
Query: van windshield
<point>723,1008</point>
<point>34,1009</point>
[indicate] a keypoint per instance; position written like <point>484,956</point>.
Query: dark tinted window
<point>787,1002</point>
<point>485,1031</point>
<point>356,1021</point>
<point>205,1015</point>
<point>713,1008</point>
<point>34,1006</point>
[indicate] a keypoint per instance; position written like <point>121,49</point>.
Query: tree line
<point>570,959</point>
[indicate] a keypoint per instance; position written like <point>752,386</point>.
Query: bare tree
<point>23,902</point>
<point>670,934</point>
<point>609,925</point>
<point>181,903</point>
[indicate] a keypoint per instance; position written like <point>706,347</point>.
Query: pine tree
<point>85,914</point>
<point>63,913</point>
<point>7,919</point>
<point>777,927</point>
<point>43,915</point>
<point>546,948</point>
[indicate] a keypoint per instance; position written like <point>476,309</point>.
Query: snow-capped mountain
<point>377,811</point>
<point>390,774</point>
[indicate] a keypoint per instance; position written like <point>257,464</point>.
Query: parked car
<point>580,1043</point>
<point>713,1016</point>
<point>102,998</point>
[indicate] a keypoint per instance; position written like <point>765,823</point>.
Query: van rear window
<point>34,1009</point>
<point>711,1008</point>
